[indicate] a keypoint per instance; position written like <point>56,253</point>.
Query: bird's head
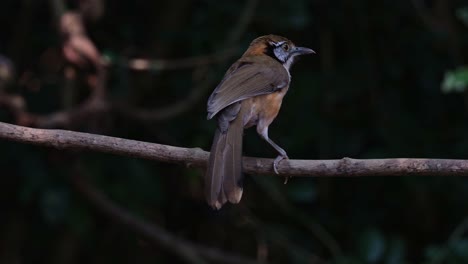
<point>279,48</point>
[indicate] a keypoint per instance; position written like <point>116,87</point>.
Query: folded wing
<point>247,78</point>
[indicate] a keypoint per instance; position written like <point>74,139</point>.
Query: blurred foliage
<point>455,81</point>
<point>375,89</point>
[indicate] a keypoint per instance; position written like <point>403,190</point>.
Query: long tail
<point>223,180</point>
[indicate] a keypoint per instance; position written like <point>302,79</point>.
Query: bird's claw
<point>277,161</point>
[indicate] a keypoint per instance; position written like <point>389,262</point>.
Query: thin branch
<point>73,116</point>
<point>198,92</point>
<point>196,157</point>
<point>143,64</point>
<point>14,103</point>
<point>189,251</point>
<point>81,52</point>
<point>88,108</point>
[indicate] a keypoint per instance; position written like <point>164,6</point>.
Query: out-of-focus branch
<point>198,92</point>
<point>143,64</point>
<point>16,105</point>
<point>92,107</point>
<point>81,54</point>
<point>152,232</point>
<point>195,157</point>
<point>189,251</point>
<point>79,50</point>
<point>74,116</point>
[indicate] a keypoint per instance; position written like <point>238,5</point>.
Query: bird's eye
<point>285,47</point>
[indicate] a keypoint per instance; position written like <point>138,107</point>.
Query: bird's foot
<point>277,161</point>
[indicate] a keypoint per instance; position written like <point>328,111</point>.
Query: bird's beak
<point>303,51</point>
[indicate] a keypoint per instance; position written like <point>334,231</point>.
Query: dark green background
<point>372,91</point>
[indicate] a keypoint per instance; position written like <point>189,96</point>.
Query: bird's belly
<point>263,107</point>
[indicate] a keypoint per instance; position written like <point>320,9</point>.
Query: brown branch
<point>80,52</point>
<point>98,104</point>
<point>14,103</point>
<point>189,251</point>
<point>73,116</point>
<point>85,49</point>
<point>196,157</point>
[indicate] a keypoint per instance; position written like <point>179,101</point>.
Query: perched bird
<point>250,94</point>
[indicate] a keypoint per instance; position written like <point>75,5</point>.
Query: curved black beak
<point>303,51</point>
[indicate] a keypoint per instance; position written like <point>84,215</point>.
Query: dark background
<point>387,81</point>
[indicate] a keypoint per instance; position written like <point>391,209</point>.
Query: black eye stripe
<point>270,51</point>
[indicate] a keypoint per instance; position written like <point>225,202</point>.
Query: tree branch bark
<point>196,157</point>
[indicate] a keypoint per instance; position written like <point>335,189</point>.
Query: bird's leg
<point>282,154</point>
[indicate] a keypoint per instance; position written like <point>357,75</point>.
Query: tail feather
<point>233,162</point>
<point>224,174</point>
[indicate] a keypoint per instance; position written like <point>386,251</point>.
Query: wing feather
<point>247,78</point>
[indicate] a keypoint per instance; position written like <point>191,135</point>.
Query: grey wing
<point>244,80</point>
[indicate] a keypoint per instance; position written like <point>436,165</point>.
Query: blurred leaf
<point>456,80</point>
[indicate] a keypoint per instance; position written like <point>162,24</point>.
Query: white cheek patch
<point>280,54</point>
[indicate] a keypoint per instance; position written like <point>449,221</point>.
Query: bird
<point>250,94</point>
